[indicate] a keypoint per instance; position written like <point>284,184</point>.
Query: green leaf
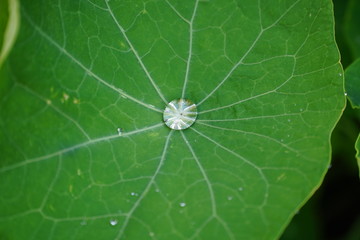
<point>352,80</point>
<point>352,83</point>
<point>357,147</point>
<point>9,26</point>
<point>351,27</point>
<point>86,155</point>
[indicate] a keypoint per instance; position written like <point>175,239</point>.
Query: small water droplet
<point>134,194</point>
<point>301,109</point>
<point>151,234</point>
<point>113,222</point>
<point>157,190</point>
<point>48,101</point>
<point>329,166</point>
<point>340,74</point>
<point>180,114</point>
<point>230,198</point>
<point>182,204</point>
<point>289,120</point>
<point>120,130</point>
<point>83,223</point>
<point>345,93</point>
<point>240,189</point>
<point>281,140</point>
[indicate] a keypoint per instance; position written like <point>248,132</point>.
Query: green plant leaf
<point>351,27</point>
<point>86,155</point>
<point>9,26</point>
<point>357,147</point>
<point>352,80</point>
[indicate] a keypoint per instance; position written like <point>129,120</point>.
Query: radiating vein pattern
<point>84,145</point>
<point>86,69</point>
<point>122,30</point>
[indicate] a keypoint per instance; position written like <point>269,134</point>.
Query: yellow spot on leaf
<point>281,177</point>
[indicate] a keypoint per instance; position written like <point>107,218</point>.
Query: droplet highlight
<point>182,204</point>
<point>180,114</point>
<point>113,222</point>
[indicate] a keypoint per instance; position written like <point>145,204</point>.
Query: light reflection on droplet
<point>119,130</point>
<point>113,222</point>
<point>180,114</point>
<point>182,204</point>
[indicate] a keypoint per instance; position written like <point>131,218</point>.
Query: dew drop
<point>134,194</point>
<point>83,223</point>
<point>230,198</point>
<point>180,114</point>
<point>151,234</point>
<point>182,204</point>
<point>120,130</point>
<point>240,189</point>
<point>113,222</point>
<point>345,93</point>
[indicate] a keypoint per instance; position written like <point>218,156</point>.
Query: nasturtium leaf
<point>352,83</point>
<point>85,151</point>
<point>9,26</point>
<point>357,147</point>
<point>351,27</point>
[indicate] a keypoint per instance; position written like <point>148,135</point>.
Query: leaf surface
<point>352,84</point>
<point>85,154</point>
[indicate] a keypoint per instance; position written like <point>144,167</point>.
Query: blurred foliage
<point>333,213</point>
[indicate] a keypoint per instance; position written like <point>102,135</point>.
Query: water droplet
<point>83,223</point>
<point>240,189</point>
<point>345,93</point>
<point>180,114</point>
<point>113,222</point>
<point>329,166</point>
<point>182,204</point>
<point>48,101</point>
<point>119,130</point>
<point>301,109</point>
<point>134,194</point>
<point>230,198</point>
<point>151,234</point>
<point>289,120</point>
<point>157,190</point>
<point>340,74</point>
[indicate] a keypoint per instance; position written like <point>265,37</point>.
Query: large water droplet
<point>180,114</point>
